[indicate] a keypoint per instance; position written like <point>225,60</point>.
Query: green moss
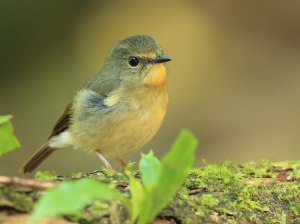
<point>208,201</point>
<point>45,175</point>
<point>242,189</point>
<point>24,202</point>
<point>15,199</point>
<point>77,175</point>
<point>260,169</point>
<point>215,177</point>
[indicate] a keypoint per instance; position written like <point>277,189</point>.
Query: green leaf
<point>8,141</point>
<point>70,197</point>
<point>174,167</point>
<point>4,119</point>
<point>137,197</point>
<point>146,206</point>
<point>150,168</point>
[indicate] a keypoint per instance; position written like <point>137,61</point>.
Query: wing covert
<point>63,121</point>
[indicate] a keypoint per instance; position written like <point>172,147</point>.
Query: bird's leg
<point>106,163</point>
<point>124,165</point>
<point>121,162</point>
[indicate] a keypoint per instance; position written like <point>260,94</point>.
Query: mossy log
<point>256,192</point>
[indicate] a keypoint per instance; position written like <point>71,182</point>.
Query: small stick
<point>196,191</point>
<point>31,183</point>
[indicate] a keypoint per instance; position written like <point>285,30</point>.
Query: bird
<point>118,110</point>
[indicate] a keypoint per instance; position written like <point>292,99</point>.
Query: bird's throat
<point>157,76</point>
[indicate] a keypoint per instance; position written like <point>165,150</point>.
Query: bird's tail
<point>36,159</point>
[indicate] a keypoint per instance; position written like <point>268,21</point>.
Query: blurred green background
<point>234,79</point>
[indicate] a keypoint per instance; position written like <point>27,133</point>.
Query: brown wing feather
<point>63,121</point>
<point>38,157</point>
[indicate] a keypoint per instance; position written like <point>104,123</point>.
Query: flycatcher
<point>118,110</point>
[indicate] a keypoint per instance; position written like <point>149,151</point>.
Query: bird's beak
<point>161,59</point>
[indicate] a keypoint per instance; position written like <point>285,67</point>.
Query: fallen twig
<point>31,183</point>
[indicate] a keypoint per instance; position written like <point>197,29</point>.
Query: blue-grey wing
<point>86,104</point>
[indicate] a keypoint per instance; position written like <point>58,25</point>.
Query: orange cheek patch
<point>157,76</point>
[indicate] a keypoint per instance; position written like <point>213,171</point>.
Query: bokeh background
<point>234,79</point>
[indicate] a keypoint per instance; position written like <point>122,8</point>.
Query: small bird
<point>118,110</point>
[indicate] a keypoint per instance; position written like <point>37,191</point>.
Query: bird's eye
<point>133,61</point>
